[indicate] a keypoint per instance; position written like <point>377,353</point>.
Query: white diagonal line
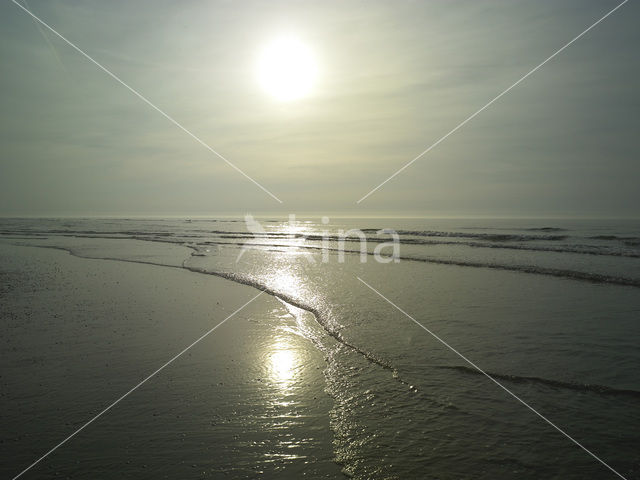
<point>492,379</point>
<point>464,122</point>
<point>202,337</point>
<point>46,39</point>
<point>147,101</point>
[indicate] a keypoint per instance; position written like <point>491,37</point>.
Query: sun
<point>287,69</point>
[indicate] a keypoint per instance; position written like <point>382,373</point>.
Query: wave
<point>530,269</point>
<point>546,229</point>
<point>244,280</point>
<point>604,237</point>
<point>613,237</point>
<point>553,272</point>
<point>475,240</point>
<point>629,241</point>
<point>582,387</point>
<point>494,237</point>
<point>242,234</point>
<point>577,249</point>
<point>320,318</point>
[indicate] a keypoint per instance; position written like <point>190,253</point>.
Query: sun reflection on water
<point>283,364</point>
<point>286,281</point>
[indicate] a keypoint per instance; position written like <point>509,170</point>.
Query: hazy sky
<point>393,77</point>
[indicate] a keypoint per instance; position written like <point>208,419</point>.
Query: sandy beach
<point>78,333</point>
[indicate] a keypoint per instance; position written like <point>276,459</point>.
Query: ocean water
<point>550,309</point>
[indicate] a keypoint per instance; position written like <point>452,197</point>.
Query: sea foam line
<point>581,387</point>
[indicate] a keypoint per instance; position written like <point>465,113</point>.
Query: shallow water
<point>78,334</point>
<point>549,308</point>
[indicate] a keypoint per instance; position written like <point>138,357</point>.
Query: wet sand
<point>78,333</point>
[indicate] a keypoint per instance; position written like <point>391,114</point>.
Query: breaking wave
<point>582,387</point>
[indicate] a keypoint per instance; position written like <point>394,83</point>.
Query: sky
<point>392,79</point>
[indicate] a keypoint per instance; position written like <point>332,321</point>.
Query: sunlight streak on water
<point>286,281</point>
<point>283,365</point>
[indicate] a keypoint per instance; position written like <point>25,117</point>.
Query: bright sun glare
<point>287,69</point>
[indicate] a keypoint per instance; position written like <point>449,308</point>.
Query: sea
<point>448,348</point>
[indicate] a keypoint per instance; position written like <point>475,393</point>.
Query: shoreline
<point>324,462</point>
<point>240,280</point>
